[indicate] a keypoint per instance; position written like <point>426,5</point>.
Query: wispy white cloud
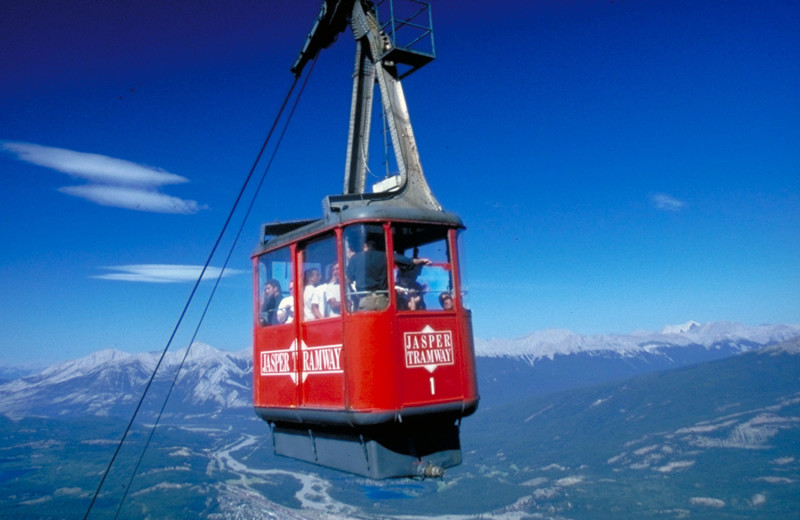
<point>111,182</point>
<point>132,198</point>
<point>665,202</point>
<point>162,273</point>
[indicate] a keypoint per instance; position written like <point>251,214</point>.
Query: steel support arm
<point>371,66</point>
<point>371,45</point>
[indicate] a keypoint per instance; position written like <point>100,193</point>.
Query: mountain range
<point>554,360</point>
<point>694,421</point>
<point>109,382</point>
<point>711,336</point>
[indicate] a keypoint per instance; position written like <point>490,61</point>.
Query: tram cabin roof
<point>276,234</point>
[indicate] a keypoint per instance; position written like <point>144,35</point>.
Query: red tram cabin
<point>365,366</point>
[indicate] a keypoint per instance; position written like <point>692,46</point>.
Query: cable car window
<point>276,302</point>
<point>426,281</point>
<point>367,282</point>
<point>462,261</point>
<point>321,294</point>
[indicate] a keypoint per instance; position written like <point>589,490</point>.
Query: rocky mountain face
<point>110,382</point>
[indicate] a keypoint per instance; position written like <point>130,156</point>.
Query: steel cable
<point>222,232</point>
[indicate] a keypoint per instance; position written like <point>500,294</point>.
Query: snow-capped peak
<point>680,329</point>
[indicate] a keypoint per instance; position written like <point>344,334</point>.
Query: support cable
<point>191,296</point>
<point>216,285</point>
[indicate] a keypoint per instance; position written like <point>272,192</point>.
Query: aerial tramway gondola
<point>363,355</point>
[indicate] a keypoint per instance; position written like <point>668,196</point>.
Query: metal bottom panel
<point>400,450</point>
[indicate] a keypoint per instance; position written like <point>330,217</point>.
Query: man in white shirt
<point>329,293</point>
<point>312,301</point>
<point>286,307</point>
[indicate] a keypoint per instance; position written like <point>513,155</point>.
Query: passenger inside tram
<point>446,301</point>
<point>431,243</point>
<point>275,273</point>
<point>268,314</point>
<point>329,292</point>
<point>366,270</point>
<point>312,301</point>
<point>285,312</point>
<point>409,290</point>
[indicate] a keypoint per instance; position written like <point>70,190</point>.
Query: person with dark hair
<point>409,290</point>
<point>269,307</point>
<point>446,301</point>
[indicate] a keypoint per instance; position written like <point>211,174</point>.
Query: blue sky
<point>619,165</point>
